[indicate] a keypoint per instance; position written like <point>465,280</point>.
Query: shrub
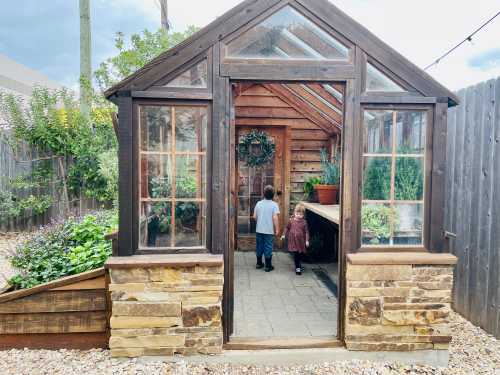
<point>75,246</point>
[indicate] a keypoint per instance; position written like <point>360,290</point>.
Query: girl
<point>297,234</point>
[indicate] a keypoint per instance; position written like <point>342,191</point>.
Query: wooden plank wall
<point>259,106</point>
<point>472,203</point>
<point>71,316</point>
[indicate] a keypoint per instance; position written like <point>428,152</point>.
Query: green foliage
<point>75,246</point>
<point>143,48</point>
<point>108,169</point>
<point>408,184</point>
<point>51,122</point>
<point>20,200</point>
<point>376,221</point>
<point>330,168</point>
<point>377,178</point>
<point>252,157</point>
<point>309,187</point>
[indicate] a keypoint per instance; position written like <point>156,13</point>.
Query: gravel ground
<point>472,351</point>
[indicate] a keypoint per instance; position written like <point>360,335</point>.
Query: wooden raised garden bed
<point>70,313</point>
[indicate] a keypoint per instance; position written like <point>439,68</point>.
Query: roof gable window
<point>287,35</point>
<point>194,77</point>
<point>378,81</point>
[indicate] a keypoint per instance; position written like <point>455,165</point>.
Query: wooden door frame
<point>349,110</point>
<point>287,133</point>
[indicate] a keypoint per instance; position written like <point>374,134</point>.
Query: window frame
<point>226,59</point>
<point>136,171</point>
<point>427,193</point>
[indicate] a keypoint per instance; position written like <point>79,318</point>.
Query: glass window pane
<point>287,34</point>
<point>378,132</point>
<point>194,77</point>
<point>156,129</point>
<point>376,222</point>
<point>408,226</point>
<point>378,81</point>
<point>155,224</point>
<point>189,224</point>
<point>190,128</point>
<point>189,176</point>
<point>376,178</point>
<point>156,176</point>
<point>409,179</point>
<point>410,132</point>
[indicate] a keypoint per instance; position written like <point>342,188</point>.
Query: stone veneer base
<point>398,302</point>
<point>166,304</point>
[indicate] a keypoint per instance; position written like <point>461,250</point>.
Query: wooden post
<point>85,59</point>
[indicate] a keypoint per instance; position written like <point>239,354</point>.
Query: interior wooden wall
<point>257,105</point>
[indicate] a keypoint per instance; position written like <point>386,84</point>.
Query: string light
<point>468,39</point>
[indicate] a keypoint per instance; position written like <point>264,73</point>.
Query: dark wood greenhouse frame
<point>147,86</point>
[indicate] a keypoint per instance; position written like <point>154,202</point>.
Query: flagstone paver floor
<point>280,303</point>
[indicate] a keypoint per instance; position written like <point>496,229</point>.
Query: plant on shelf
<point>309,192</point>
<point>376,222</point>
<point>329,186</point>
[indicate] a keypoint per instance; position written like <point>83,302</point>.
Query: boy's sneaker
<point>302,269</point>
<point>298,271</point>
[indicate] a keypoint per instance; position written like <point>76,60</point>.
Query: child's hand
<point>307,243</point>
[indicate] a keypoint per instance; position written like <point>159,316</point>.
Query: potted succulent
<point>328,188</point>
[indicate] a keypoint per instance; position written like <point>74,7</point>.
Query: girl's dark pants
<point>297,258</point>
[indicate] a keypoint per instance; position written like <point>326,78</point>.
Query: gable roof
<point>248,10</point>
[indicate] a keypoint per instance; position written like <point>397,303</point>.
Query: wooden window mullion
<point>393,175</point>
<point>174,188</point>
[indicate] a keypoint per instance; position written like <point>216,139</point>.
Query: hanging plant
<point>253,157</point>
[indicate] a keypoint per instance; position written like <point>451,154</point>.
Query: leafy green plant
<point>408,183</point>
<point>309,187</point>
<point>77,245</point>
<point>52,123</point>
<point>142,49</point>
<point>376,222</point>
<point>331,169</point>
<point>377,178</point>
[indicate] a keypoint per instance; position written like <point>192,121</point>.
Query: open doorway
<point>303,122</point>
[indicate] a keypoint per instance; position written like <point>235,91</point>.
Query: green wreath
<point>256,159</point>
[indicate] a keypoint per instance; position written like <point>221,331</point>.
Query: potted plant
<point>310,193</point>
<point>328,188</point>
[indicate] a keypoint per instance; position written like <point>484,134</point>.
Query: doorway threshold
<point>256,343</point>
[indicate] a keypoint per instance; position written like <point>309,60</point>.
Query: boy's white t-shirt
<point>265,209</point>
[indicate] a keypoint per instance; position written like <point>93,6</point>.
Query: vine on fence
<point>52,123</point>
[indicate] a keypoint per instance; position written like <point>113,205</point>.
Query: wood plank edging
<point>161,260</point>
<point>52,284</point>
<point>423,258</point>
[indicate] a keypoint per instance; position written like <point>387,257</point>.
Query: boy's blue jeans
<point>264,245</point>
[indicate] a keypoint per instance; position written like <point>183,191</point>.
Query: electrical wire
<point>468,39</point>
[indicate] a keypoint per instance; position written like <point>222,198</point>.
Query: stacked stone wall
<point>166,310</point>
<point>398,307</point>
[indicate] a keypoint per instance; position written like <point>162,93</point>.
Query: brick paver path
<point>280,303</point>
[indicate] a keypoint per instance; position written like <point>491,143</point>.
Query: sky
<point>44,35</point>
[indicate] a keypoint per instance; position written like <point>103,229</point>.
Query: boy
<point>266,214</point>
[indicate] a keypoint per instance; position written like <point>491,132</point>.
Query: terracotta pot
<point>327,194</point>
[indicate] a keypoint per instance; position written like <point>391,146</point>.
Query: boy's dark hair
<point>269,192</point>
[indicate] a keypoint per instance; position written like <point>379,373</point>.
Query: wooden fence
<point>21,161</point>
<point>473,203</point>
